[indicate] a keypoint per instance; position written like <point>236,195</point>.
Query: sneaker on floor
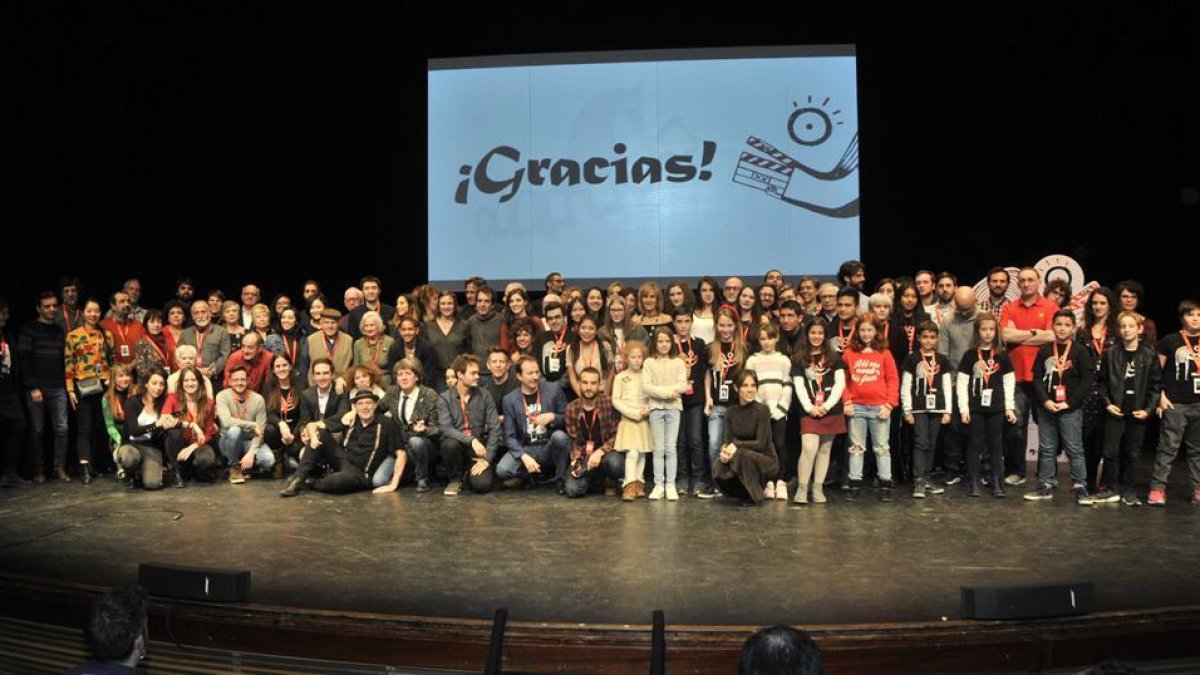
<point>918,491</point>
<point>452,488</point>
<point>706,493</point>
<point>998,490</point>
<point>885,490</point>
<point>769,490</point>
<point>1043,493</point>
<point>657,492</point>
<point>973,488</point>
<point>1082,497</point>
<point>932,488</point>
<point>1106,497</point>
<point>781,490</point>
<point>1014,479</point>
<point>236,476</point>
<point>855,486</point>
<point>672,493</point>
<point>423,485</point>
<point>953,480</point>
<point>1130,498</point>
<point>1157,498</point>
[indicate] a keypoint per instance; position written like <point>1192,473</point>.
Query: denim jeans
<point>664,432</point>
<point>1017,435</point>
<point>716,436</point>
<point>556,451</point>
<point>236,441</point>
<point>1065,428</point>
<point>866,418</point>
<point>611,466</point>
<point>55,402</point>
<point>691,453</point>
<point>420,452</point>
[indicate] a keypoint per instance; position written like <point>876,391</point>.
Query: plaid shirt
<point>994,309</point>
<point>606,425</point>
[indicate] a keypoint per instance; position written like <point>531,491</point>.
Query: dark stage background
<point>275,141</point>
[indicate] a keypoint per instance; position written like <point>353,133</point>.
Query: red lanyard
<point>285,403</point>
<point>462,404</point>
<point>989,366</point>
<point>330,345</point>
<point>1193,352</point>
<point>931,371</point>
<point>911,333</point>
<point>123,333</point>
<point>818,368</point>
<point>1098,345</point>
<point>375,355</point>
<point>688,351</point>
<point>67,319</point>
<point>157,349</point>
<point>1060,363</point>
<point>560,341</point>
<point>588,427</point>
<point>200,336</point>
<point>728,361</point>
<point>887,331</point>
<point>290,352</point>
<point>842,334</point>
<point>241,410</point>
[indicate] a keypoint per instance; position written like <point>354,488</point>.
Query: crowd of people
<point>758,392</point>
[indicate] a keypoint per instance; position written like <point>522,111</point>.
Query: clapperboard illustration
<point>832,193</point>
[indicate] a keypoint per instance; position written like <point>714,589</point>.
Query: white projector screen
<point>643,165</point>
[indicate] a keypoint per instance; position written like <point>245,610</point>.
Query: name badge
<point>985,398</point>
<point>591,445</point>
<point>1060,394</point>
<point>930,401</point>
<point>125,351</point>
<point>723,392</point>
<point>819,399</point>
<point>689,389</point>
<point>1196,385</point>
<point>467,432</point>
<point>552,364</point>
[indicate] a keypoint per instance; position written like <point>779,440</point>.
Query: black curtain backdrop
<point>277,141</point>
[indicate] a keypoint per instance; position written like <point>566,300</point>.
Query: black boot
<point>295,485</point>
<point>178,477</point>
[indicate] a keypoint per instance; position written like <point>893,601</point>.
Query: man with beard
<point>125,330</point>
<point>998,281</point>
<point>853,274</point>
<point>211,342</point>
<point>592,427</point>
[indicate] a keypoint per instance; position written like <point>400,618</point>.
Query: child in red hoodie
<point>872,391</point>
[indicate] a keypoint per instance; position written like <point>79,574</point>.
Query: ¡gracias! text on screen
<point>500,171</point>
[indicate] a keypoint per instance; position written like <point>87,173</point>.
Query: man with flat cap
<point>331,343</point>
<point>366,441</point>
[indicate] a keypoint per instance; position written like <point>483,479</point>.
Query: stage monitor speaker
<point>195,583</point>
<point>1033,601</point>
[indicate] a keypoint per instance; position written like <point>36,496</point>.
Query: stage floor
<point>598,560</point>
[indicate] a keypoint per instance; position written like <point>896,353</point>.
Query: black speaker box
<point>1032,601</point>
<point>195,583</point>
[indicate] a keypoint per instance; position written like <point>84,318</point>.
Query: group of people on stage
<point>758,392</point>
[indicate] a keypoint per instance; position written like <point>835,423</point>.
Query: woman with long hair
<point>155,350</point>
<point>650,307</point>
<point>819,379</point>
<point>1098,334</point>
<point>143,434</point>
<point>282,393</point>
<point>88,366</point>
<point>588,350</point>
<point>702,314</point>
<point>726,357</point>
<point>746,460</point>
<point>120,388</point>
<point>292,344</point>
<point>188,445</point>
<point>619,329</point>
<point>447,335</point>
<point>315,307</point>
<point>517,304</point>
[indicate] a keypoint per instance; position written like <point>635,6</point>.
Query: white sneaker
<point>657,492</point>
<point>672,494</point>
<point>769,490</point>
<point>781,490</point>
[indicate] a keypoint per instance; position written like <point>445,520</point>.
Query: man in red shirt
<point>1026,325</point>
<point>252,357</point>
<point>125,331</point>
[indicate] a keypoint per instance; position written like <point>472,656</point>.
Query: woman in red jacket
<point>872,391</point>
